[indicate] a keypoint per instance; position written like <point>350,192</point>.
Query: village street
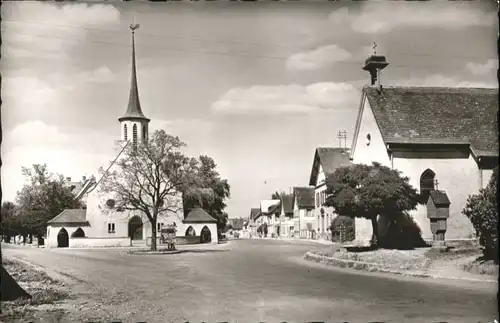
<point>252,281</point>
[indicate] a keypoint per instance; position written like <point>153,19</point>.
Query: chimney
<point>374,64</point>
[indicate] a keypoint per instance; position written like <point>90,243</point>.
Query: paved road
<point>253,281</point>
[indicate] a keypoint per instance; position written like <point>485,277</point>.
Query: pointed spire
<point>134,105</point>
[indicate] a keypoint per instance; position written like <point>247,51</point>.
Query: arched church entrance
<point>79,233</point>
<point>62,238</point>
<point>205,235</point>
<point>135,228</point>
<point>190,232</point>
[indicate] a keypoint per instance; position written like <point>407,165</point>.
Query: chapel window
<point>125,134</point>
<point>427,184</point>
<point>111,228</point>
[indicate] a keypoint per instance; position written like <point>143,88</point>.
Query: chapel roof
<point>304,197</point>
<point>437,115</point>
<point>198,215</point>
<point>330,159</point>
<point>71,216</point>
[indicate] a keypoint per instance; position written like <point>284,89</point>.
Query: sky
<point>255,85</point>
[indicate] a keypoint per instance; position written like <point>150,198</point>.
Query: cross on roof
<point>436,183</point>
<point>374,48</point>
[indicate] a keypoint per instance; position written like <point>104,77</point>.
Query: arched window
<point>144,133</point>
<point>134,134</point>
<point>125,134</point>
<point>427,184</point>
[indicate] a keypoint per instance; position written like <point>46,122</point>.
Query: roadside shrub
<point>343,229</point>
<point>482,211</point>
<point>401,233</point>
<point>264,229</point>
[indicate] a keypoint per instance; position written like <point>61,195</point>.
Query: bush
<point>401,233</point>
<point>482,211</point>
<point>346,224</point>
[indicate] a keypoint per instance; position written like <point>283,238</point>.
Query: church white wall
<point>486,176</point>
<point>457,177</point>
<point>366,154</point>
<point>53,231</point>
<point>376,150</point>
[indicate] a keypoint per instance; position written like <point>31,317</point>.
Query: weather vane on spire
<point>134,26</point>
<point>374,48</point>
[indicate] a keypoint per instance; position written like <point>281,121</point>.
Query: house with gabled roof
<point>439,137</point>
<point>303,212</point>
<point>254,220</point>
<point>269,211</point>
<point>326,161</point>
<point>286,215</point>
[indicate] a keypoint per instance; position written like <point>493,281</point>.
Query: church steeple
<point>134,123</point>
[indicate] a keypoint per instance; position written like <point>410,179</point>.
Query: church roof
<point>198,215</point>
<point>304,197</point>
<point>330,159</point>
<point>134,110</point>
<point>71,216</point>
<point>412,115</point>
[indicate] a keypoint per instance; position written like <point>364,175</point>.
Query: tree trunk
<point>153,235</point>
<point>374,241</point>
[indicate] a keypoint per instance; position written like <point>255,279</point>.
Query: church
<point>103,225</point>
<point>442,138</point>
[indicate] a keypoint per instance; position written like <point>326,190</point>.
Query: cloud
<point>439,80</point>
<point>317,58</point>
<point>71,154</point>
<point>481,69</point>
<point>99,75</point>
<point>286,98</point>
<point>42,29</point>
<point>376,17</point>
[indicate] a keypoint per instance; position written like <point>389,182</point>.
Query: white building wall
<point>458,177</point>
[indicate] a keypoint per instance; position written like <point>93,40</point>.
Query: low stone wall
<point>99,242</point>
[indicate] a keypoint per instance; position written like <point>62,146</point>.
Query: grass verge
<point>45,293</point>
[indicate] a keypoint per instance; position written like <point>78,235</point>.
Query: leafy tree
<point>264,229</point>
<point>10,223</point>
<point>206,189</point>
<point>148,177</point>
<point>366,191</point>
<point>44,196</point>
<point>482,210</point>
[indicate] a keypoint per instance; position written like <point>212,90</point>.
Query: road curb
<point>373,267</point>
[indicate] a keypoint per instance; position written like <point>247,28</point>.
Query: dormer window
<point>368,139</point>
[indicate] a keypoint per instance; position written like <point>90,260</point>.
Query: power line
<point>239,42</point>
<point>231,54</point>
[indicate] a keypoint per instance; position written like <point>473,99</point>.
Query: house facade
<point>286,217</point>
<point>270,212</point>
<point>326,161</point>
<point>440,138</point>
<point>303,212</point>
